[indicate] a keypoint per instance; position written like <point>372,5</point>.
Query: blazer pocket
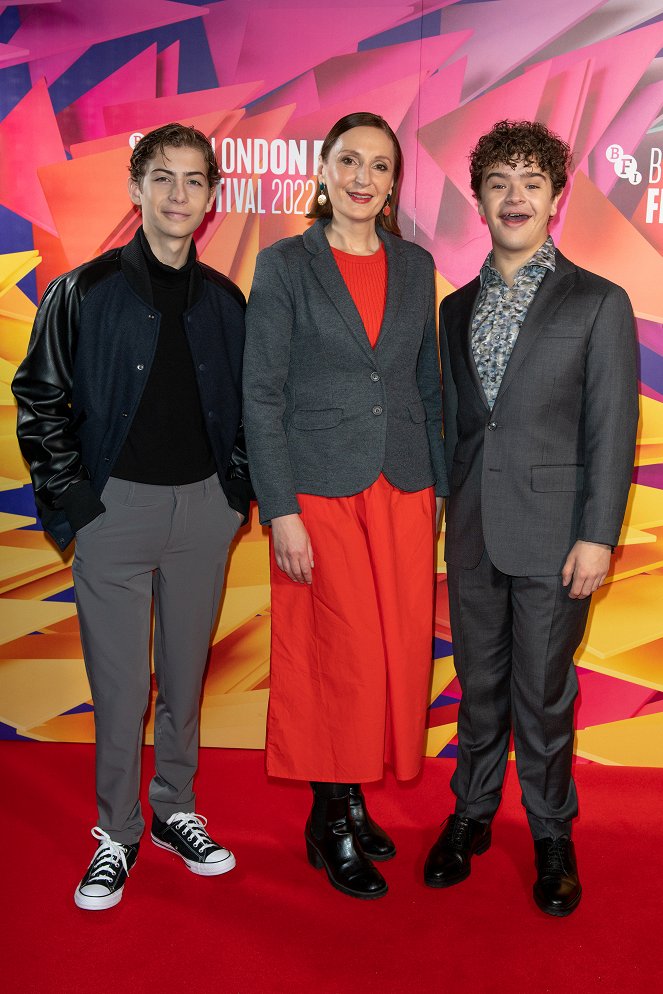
<point>417,411</point>
<point>557,333</point>
<point>317,419</point>
<point>557,479</point>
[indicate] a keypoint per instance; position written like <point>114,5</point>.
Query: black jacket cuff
<point>80,504</point>
<point>239,494</point>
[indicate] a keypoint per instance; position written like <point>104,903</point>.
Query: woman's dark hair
<point>363,119</point>
<point>512,141</point>
<point>172,136</point>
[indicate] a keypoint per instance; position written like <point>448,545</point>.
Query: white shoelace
<point>108,856</point>
<point>192,827</point>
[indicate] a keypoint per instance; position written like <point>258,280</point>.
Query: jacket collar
<point>134,267</point>
<point>554,288</point>
<point>327,272</point>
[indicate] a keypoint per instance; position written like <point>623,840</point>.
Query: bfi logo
<point>626,167</point>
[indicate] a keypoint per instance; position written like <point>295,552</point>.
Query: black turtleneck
<point>167,444</point>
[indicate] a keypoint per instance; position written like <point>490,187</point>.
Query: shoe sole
<point>318,863</point>
<point>557,912</point>
<point>200,869</point>
<point>97,903</point>
<point>439,884</point>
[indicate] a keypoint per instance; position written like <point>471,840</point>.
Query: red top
<point>366,278</point>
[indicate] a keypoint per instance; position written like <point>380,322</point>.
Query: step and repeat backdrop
<point>81,80</point>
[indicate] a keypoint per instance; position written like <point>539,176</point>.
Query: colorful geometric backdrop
<point>266,79</point>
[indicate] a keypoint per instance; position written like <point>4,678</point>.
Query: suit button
<point>375,376</point>
<point>492,425</point>
<point>201,367</point>
<point>377,410</point>
<point>140,366</point>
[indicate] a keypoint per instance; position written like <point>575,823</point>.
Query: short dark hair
<point>511,141</point>
<point>172,136</point>
<point>363,119</point>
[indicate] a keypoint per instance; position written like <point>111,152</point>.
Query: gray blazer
<point>552,462</point>
<point>324,413</point>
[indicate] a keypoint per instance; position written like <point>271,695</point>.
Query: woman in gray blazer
<point>342,413</point>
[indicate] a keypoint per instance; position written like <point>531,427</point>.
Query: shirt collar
<point>544,257</point>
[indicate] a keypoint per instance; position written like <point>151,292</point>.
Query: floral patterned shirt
<point>499,313</point>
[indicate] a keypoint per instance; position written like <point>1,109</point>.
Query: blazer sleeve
<point>449,396</point>
<point>45,427</point>
<point>270,318</point>
<point>610,418</point>
<point>428,381</point>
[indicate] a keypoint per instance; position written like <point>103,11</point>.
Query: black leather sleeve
<point>238,486</point>
<point>42,387</point>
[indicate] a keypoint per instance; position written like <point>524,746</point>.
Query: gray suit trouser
<point>166,545</point>
<point>514,638</point>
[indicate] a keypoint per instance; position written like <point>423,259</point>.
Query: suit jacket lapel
<point>547,299</point>
<point>463,309</point>
<point>328,274</point>
<point>333,284</point>
<point>396,273</point>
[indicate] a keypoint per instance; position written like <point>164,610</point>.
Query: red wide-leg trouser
<point>351,653</point>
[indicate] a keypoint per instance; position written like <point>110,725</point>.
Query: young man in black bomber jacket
<point>129,415</point>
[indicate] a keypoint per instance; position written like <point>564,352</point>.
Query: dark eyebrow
<point>351,151</point>
<point>508,175</point>
<point>162,169</point>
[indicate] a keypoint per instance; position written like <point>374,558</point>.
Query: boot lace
<point>108,859</point>
<point>460,833</point>
<point>192,828</point>
<point>555,860</point>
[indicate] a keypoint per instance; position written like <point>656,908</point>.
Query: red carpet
<point>275,926</point>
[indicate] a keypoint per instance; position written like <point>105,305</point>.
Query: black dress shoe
<point>374,841</point>
<point>449,860</point>
<point>557,890</point>
<point>348,869</point>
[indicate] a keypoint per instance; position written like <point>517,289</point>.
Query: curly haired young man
<point>540,413</point>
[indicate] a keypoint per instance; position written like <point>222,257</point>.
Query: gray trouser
<point>170,544</point>
<point>514,638</point>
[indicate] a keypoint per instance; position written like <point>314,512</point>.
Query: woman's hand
<point>292,547</point>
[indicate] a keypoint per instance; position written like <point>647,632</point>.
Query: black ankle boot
<point>334,848</point>
<point>374,841</point>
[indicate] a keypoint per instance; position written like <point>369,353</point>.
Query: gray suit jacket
<point>552,462</point>
<point>324,413</point>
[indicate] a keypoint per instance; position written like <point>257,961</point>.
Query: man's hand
<point>292,547</point>
<point>587,565</point>
<point>439,507</point>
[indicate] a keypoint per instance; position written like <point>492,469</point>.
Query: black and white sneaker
<point>184,834</point>
<point>102,885</point>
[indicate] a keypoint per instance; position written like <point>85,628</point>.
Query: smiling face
<point>174,195</point>
<point>358,174</point>
<point>517,202</point>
